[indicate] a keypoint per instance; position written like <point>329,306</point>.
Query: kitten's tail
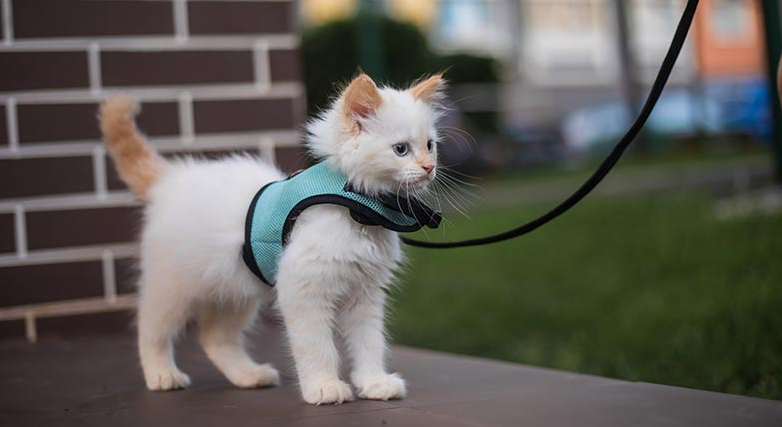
<point>137,162</point>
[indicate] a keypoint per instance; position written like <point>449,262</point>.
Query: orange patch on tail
<point>138,164</point>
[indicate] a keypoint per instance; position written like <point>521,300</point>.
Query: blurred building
<point>729,38</point>
<point>731,65</point>
<point>561,65</point>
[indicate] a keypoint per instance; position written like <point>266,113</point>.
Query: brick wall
<point>213,77</point>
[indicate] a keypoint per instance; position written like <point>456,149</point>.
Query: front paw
<point>256,376</point>
<point>326,392</point>
<point>382,387</point>
<point>166,379</point>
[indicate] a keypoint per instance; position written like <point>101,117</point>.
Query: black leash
<point>607,164</point>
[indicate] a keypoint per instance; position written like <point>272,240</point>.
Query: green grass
<point>669,162</point>
<point>645,288</point>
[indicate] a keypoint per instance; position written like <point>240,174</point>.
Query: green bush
<point>467,68</point>
<point>330,55</point>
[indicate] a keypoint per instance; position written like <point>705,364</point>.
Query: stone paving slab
<point>96,381</point>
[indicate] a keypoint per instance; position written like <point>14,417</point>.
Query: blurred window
<point>472,25</point>
<point>652,24</point>
<point>656,16</point>
<point>571,16</point>
<point>730,20</point>
<point>566,41</point>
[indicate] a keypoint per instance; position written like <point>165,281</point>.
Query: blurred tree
<point>468,68</point>
<point>331,57</point>
<point>368,40</point>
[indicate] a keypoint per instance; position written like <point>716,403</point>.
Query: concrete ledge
<point>97,381</point>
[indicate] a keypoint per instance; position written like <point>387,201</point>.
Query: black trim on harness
<point>247,249</point>
<point>424,215</point>
<point>367,215</point>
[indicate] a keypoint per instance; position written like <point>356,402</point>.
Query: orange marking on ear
<point>428,90</point>
<point>361,98</point>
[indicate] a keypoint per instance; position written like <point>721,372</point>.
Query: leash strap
<point>607,164</point>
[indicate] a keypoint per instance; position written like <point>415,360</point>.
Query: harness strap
<point>276,207</point>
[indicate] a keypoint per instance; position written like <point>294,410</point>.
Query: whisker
<point>450,168</point>
<point>453,102</point>
<point>410,205</point>
<point>435,186</point>
<point>460,136</point>
<point>446,173</point>
<point>460,139</point>
<point>398,202</point>
<point>463,195</point>
<point>450,197</point>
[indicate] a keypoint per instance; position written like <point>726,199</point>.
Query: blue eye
<point>400,149</point>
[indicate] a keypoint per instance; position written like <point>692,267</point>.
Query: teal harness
<point>276,206</point>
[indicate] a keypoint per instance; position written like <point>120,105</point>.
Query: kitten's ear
<point>429,90</point>
<point>361,98</point>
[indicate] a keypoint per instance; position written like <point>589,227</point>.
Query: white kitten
<point>332,272</point>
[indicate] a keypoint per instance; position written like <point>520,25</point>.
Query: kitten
<point>332,273</point>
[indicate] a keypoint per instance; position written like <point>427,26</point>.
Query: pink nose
<point>428,168</point>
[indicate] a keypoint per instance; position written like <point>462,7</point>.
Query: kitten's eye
<point>429,145</point>
<point>400,149</point>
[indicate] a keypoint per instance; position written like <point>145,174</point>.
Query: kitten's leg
<point>222,336</point>
<point>160,318</point>
<point>308,310</point>
<point>362,326</point>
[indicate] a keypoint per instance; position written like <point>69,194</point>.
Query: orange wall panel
<point>734,53</point>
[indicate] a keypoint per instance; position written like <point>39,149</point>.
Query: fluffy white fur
<point>333,271</point>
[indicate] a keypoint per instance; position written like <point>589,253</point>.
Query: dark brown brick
<point>291,159</point>
<point>29,284</point>
<point>12,330</point>
<point>63,122</point>
<point>243,115</point>
<point>3,128</point>
<point>79,18</point>
<point>86,324</point>
<point>176,68</point>
<point>159,118</point>
<point>126,272</point>
<point>113,181</point>
<point>7,234</point>
<point>57,122</point>
<point>78,227</point>
<point>39,70</point>
<point>285,65</point>
<point>216,17</point>
<point>39,176</point>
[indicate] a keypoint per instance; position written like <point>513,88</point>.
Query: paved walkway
<point>97,382</point>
